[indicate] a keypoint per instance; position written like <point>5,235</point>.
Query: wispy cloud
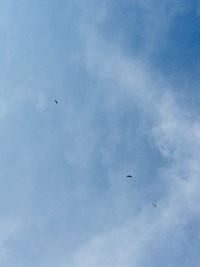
<point>116,114</point>
<point>175,134</point>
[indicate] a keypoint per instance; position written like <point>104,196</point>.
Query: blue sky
<point>126,76</point>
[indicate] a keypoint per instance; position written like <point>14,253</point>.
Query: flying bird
<point>154,205</point>
<point>129,176</point>
<point>56,101</point>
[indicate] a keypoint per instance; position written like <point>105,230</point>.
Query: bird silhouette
<point>129,176</point>
<point>154,205</point>
<point>56,101</point>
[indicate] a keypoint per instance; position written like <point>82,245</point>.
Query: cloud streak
<point>175,134</point>
<point>116,113</point>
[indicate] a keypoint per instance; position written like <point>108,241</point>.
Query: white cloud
<point>175,135</point>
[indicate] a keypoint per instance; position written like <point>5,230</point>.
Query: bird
<point>154,205</point>
<point>129,176</point>
<point>56,101</point>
